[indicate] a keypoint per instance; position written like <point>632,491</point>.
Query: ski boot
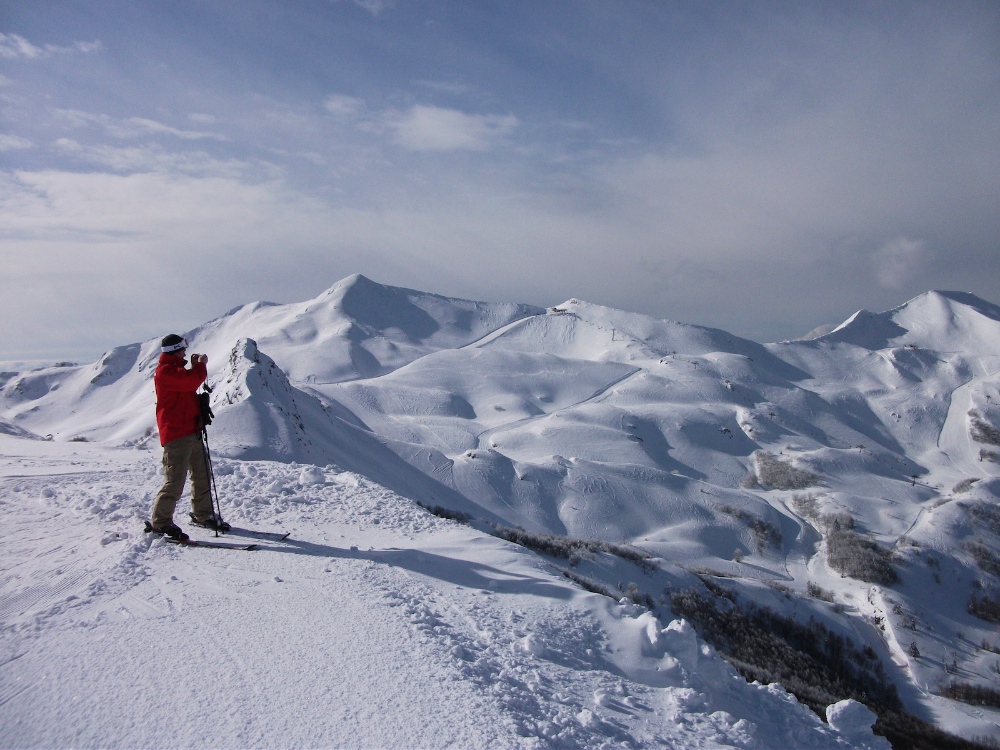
<point>211,522</point>
<point>171,530</point>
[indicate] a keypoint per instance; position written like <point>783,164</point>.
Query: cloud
<point>344,107</point>
<point>133,127</point>
<point>140,124</point>
<point>898,261</point>
<point>424,127</point>
<point>154,158</point>
<point>429,128</point>
<point>375,7</point>
<point>75,242</point>
<point>15,47</point>
<point>12,142</point>
<point>445,87</point>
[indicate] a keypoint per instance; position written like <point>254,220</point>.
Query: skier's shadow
<point>464,573</point>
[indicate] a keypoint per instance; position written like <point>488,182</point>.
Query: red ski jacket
<point>177,411</point>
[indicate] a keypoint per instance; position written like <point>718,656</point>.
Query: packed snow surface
<point>377,624</point>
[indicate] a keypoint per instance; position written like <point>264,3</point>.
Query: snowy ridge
<point>707,450</point>
<point>355,329</point>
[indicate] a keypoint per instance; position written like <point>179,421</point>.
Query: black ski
<point>272,536</point>
<point>216,545</point>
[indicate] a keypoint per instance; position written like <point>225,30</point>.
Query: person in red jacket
<point>178,418</point>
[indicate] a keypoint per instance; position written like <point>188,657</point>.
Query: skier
<point>178,418</point>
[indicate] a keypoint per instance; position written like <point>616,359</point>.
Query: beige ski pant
<point>179,457</point>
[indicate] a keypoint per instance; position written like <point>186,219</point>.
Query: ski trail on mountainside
<point>596,395</point>
<point>492,335</point>
<point>955,441</point>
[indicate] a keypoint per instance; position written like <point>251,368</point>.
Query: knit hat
<point>173,343</point>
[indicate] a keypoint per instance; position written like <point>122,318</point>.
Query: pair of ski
<point>271,536</point>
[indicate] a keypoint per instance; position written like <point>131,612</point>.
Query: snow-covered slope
<point>375,625</point>
<point>711,451</point>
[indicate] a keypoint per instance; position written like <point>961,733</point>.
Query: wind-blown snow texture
<point>380,625</point>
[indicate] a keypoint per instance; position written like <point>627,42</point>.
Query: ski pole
<point>211,474</point>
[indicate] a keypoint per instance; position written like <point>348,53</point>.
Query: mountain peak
<point>948,298</point>
<point>938,320</point>
<point>347,283</point>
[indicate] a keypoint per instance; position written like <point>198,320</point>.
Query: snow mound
<point>259,415</point>
<point>855,720</point>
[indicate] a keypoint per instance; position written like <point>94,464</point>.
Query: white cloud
<point>429,128</point>
<point>446,87</point>
<point>93,206</point>
<point>107,259</point>
<point>154,158</point>
<point>15,47</point>
<point>898,261</point>
<point>133,127</point>
<point>12,142</point>
<point>424,127</point>
<point>344,107</point>
<point>375,7</point>
<point>96,257</point>
<point>151,126</point>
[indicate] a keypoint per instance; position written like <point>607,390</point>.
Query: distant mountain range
<point>716,452</point>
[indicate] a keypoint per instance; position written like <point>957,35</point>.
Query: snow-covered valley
<point>851,480</point>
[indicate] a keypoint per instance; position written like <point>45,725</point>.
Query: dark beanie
<point>172,342</point>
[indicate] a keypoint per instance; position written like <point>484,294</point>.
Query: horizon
<point>762,168</point>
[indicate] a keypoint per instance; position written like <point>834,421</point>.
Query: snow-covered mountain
<point>707,450</point>
<point>355,329</point>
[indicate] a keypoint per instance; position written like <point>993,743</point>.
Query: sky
<point>761,167</point>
